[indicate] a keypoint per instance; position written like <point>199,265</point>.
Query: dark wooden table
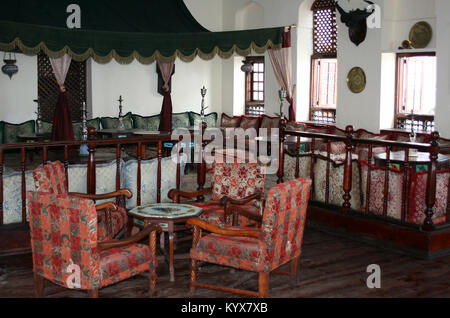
<point>33,137</point>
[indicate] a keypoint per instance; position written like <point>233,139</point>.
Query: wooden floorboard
<point>331,267</point>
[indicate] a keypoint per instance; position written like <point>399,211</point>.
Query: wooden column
<point>23,158</point>
<point>1,186</point>
<point>348,169</point>
<point>430,198</point>
<point>91,162</point>
<point>201,166</point>
<point>280,173</point>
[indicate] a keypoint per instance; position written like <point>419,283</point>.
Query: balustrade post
<point>348,168</point>
<point>201,165</point>
<point>280,172</point>
<point>91,162</point>
<point>430,200</point>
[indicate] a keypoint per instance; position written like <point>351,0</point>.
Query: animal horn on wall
<point>355,20</point>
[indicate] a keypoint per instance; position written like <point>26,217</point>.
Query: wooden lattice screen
<point>48,89</point>
<point>324,28</point>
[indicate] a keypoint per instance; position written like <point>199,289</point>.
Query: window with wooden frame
<point>254,86</point>
<point>324,62</point>
<point>48,88</point>
<point>416,91</point>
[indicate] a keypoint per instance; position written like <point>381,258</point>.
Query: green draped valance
<point>135,29</point>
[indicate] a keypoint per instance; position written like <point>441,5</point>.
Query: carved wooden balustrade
<point>432,238</point>
<point>67,148</point>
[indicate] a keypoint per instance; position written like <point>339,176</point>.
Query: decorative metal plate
<point>420,34</point>
<point>166,210</point>
<point>356,80</point>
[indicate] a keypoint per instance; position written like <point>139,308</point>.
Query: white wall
<point>442,117</point>
<point>17,94</point>
<point>360,110</point>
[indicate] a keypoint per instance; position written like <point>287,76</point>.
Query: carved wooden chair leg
<point>152,272</point>
<point>93,293</point>
<point>38,285</point>
<point>194,264</point>
<point>263,284</point>
<point>194,273</point>
<point>295,266</point>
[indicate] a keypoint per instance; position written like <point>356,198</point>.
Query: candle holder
<point>203,108</point>
<point>282,94</point>
<point>412,137</point>
<point>84,130</point>
<point>121,125</point>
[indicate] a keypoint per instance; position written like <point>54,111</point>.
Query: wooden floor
<point>331,266</point>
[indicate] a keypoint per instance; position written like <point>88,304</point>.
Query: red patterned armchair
<point>232,183</point>
<point>66,250</point>
<point>263,250</point>
<point>52,178</point>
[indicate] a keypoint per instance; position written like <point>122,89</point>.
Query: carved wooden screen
<point>324,28</point>
<point>48,89</point>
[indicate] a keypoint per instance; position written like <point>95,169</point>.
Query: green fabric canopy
<point>123,30</point>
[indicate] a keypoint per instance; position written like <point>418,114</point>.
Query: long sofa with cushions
<point>9,132</point>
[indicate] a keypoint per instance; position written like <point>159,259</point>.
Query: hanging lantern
<point>10,68</point>
<point>247,67</point>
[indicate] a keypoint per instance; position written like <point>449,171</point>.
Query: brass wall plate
<point>420,35</point>
<point>356,80</point>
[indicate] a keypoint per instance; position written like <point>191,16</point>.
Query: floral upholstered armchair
<point>112,223</point>
<point>262,250</point>
<point>66,249</point>
<point>233,183</point>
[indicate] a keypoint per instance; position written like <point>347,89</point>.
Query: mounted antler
<point>355,20</point>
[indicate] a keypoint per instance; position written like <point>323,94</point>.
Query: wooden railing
<point>67,147</point>
<point>350,145</point>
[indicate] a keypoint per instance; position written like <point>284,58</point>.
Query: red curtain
<point>165,123</point>
<point>62,120</point>
<point>166,69</point>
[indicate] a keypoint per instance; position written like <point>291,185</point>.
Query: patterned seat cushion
<point>229,121</point>
<point>78,127</point>
<point>376,195</point>
<point>210,119</point>
<point>249,122</point>
<point>119,220</point>
<point>112,123</point>
<point>416,213</point>
<point>237,180</point>
<point>117,264</point>
<point>239,252</point>
<point>11,131</point>
<point>180,120</point>
<point>213,213</point>
<point>147,123</point>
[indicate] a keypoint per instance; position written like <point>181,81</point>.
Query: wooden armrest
<point>125,192</point>
<point>218,230</point>
<point>248,211</point>
<point>175,194</point>
<point>255,196</point>
<point>106,205</point>
<point>133,239</point>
